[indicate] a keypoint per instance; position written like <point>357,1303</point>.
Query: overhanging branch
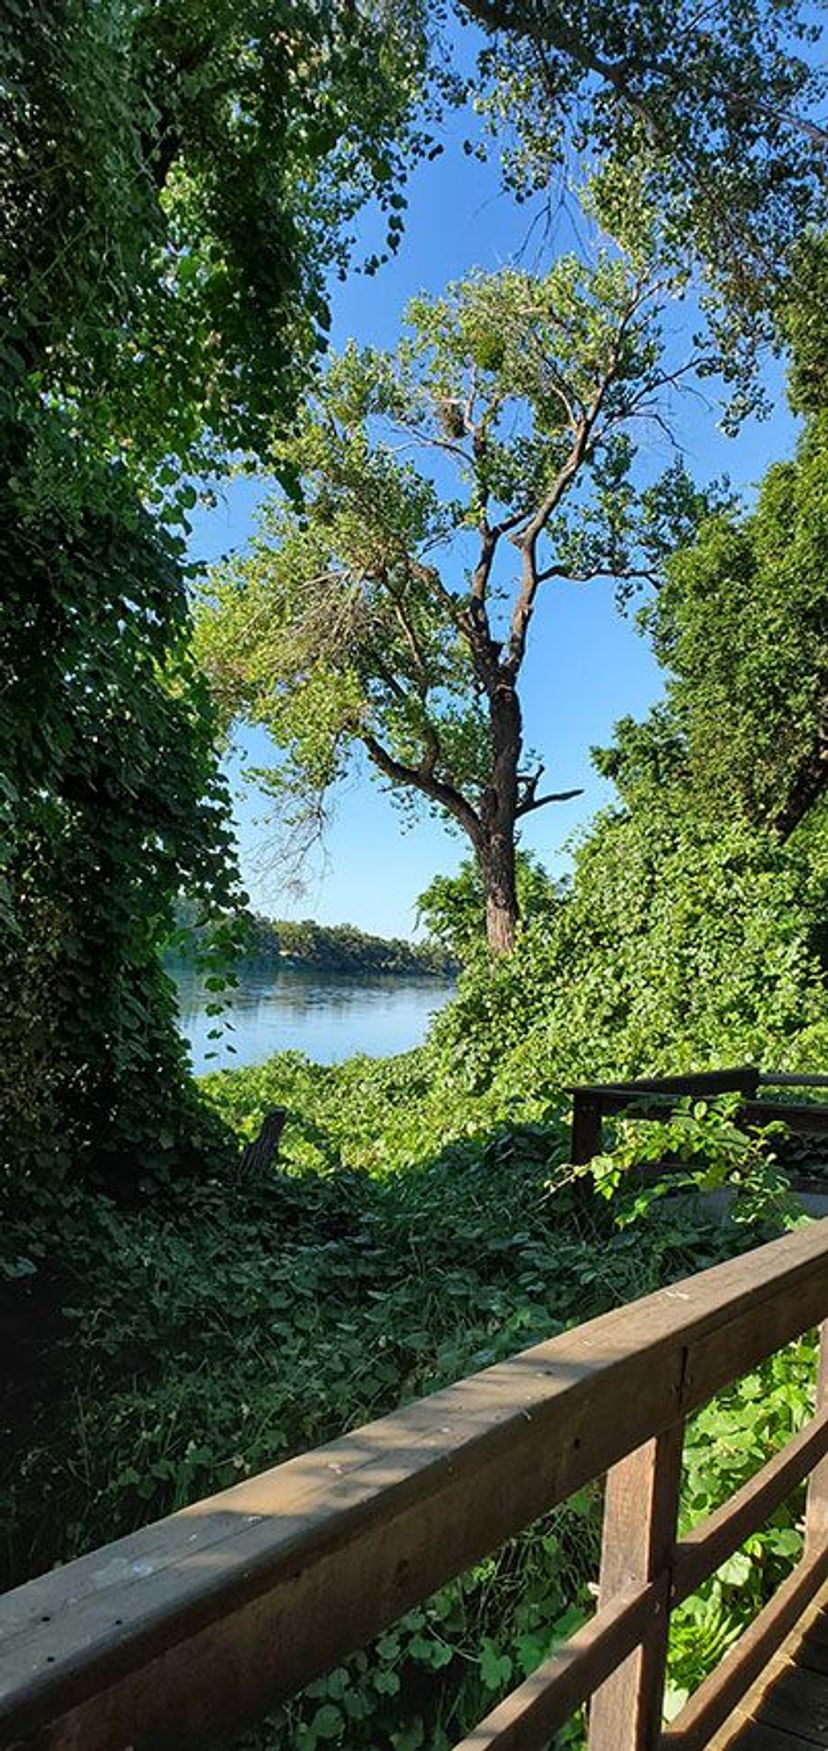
<point>422,779</point>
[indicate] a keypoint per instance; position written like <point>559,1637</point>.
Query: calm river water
<point>326,1015</point>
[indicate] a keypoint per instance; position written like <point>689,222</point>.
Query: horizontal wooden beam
<point>786,1079</point>
<point>190,1627</point>
<point>810,1117</point>
<point>708,1545</point>
<point>527,1718</point>
<point>739,1079</point>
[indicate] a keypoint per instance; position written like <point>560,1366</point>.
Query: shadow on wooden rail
<point>193,1626</point>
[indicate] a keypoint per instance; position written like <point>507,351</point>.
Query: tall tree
<point>445,489</point>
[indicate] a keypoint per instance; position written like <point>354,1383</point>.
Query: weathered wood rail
<point>655,1098</point>
<point>191,1627</point>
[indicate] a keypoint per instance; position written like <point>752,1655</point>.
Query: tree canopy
<point>708,118</point>
<point>741,627</point>
<point>178,182</point>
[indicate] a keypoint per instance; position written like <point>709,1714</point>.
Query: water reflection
<point>329,1016</point>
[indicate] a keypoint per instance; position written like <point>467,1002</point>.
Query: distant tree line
<point>342,948</point>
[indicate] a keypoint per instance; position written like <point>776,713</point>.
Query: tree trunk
<point>496,851</point>
<point>497,867</point>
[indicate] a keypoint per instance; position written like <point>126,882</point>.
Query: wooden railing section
<point>655,1097</point>
<point>191,1627</point>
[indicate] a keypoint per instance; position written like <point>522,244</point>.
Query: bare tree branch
<point>436,789</point>
<point>540,802</point>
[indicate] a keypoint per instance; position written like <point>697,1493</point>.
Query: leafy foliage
<point>178,177</point>
<point>325,1295</point>
<point>701,124</point>
<point>802,320</point>
<point>113,800</point>
<point>681,943</point>
<point>741,626</point>
<point>307,1304</point>
<point>453,908</point>
<point>700,1147</point>
<point>177,181</point>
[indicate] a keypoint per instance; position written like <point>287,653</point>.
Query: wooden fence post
<point>261,1153</point>
<point>816,1504</point>
<point>586,1127</point>
<point>640,1510</point>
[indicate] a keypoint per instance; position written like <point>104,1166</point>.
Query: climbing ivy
<point>113,802</point>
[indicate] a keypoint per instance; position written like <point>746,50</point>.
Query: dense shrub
<point>681,944</point>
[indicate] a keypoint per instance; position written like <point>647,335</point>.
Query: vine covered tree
<point>445,489</point>
<point>177,180</point>
<point>741,627</point>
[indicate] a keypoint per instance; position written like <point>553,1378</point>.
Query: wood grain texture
<point>749,1728</point>
<point>816,1506</point>
<point>798,1704</point>
<point>750,1660</point>
<point>640,1509</point>
<point>755,1736</point>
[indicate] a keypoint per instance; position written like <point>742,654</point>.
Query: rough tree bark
<point>496,861</point>
<point>498,817</point>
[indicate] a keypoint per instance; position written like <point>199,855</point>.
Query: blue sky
<point>587,665</point>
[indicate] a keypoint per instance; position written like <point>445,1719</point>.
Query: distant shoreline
<point>334,948</point>
<point>351,969</point>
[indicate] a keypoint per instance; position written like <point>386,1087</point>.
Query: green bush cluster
<point>680,943</point>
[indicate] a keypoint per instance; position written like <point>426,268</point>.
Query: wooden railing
<point>193,1626</point>
<point>655,1097</point>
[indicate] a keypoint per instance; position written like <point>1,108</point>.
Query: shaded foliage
<point>177,180</point>
<point>112,799</point>
<point>319,1299</point>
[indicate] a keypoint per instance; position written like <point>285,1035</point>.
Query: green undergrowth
<point>384,1114</point>
<point>401,1245</point>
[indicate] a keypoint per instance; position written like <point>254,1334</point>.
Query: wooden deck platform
<point>787,1709</point>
